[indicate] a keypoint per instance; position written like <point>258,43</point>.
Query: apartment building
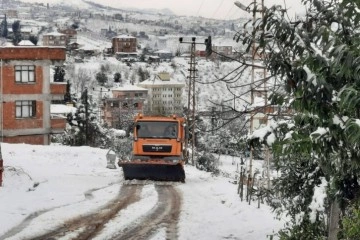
<point>124,46</point>
<point>122,104</point>
<point>71,35</point>
<point>165,94</point>
<point>27,92</point>
<point>10,13</point>
<point>54,39</point>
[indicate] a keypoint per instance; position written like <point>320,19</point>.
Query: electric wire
<point>197,14</point>
<point>218,8</point>
<point>228,14</point>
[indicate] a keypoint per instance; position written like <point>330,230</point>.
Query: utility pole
<point>191,106</point>
<point>191,110</point>
<point>260,90</point>
<point>84,98</point>
<point>100,101</point>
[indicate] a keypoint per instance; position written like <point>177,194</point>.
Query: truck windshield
<point>147,129</point>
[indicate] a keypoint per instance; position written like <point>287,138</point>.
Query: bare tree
<point>81,80</point>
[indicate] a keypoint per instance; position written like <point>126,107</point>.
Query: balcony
<point>58,88</point>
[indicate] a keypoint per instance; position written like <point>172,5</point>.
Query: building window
<point>25,109</point>
<point>114,104</point>
<point>24,74</point>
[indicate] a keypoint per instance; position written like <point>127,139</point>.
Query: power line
<point>197,14</point>
<point>227,15</point>
<point>217,9</point>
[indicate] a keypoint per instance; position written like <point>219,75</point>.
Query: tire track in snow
<point>26,222</point>
<point>87,226</point>
<point>164,214</point>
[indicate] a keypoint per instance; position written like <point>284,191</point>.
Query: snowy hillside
<point>99,5</point>
<point>209,90</point>
<point>74,3</point>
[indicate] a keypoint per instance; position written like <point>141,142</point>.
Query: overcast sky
<point>219,9</point>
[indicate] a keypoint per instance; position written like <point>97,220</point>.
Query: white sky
<point>220,9</point>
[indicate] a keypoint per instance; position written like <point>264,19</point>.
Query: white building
<point>164,94</point>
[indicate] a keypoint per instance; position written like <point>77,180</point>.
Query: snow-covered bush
<point>207,162</point>
<point>123,148</point>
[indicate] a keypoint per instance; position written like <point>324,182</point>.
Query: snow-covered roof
<point>61,109</point>
<point>54,34</point>
<point>26,43</point>
<point>127,53</point>
<point>156,81</point>
<point>162,51</point>
<point>124,36</point>
<point>23,29</point>
<point>129,88</point>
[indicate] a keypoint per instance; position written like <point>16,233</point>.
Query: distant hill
<point>97,4</point>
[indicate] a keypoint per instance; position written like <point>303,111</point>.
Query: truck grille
<point>157,148</point>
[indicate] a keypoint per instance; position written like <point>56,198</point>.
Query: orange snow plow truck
<point>158,149</point>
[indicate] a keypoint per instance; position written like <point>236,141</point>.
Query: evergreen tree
<point>84,127</point>
<point>101,78</point>
<point>317,152</point>
<point>17,32</point>
<point>59,74</point>
<point>34,39</point>
<point>4,28</point>
<point>143,74</point>
<point>117,77</point>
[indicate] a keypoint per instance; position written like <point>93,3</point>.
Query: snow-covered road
<point>47,187</point>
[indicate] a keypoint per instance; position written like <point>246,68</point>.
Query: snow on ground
<point>44,185</point>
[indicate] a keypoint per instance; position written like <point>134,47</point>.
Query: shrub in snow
<point>351,222</point>
<point>207,162</point>
<point>123,148</point>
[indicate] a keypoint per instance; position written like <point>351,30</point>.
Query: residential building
<point>164,55</point>
<point>71,35</point>
<point>27,92</point>
<point>54,39</point>
<point>25,33</point>
<point>124,46</point>
<point>10,13</point>
<point>121,104</point>
<point>223,50</point>
<point>165,94</point>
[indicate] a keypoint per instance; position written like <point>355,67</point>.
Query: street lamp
<point>242,6</point>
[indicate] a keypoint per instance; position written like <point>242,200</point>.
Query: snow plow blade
<point>153,171</point>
